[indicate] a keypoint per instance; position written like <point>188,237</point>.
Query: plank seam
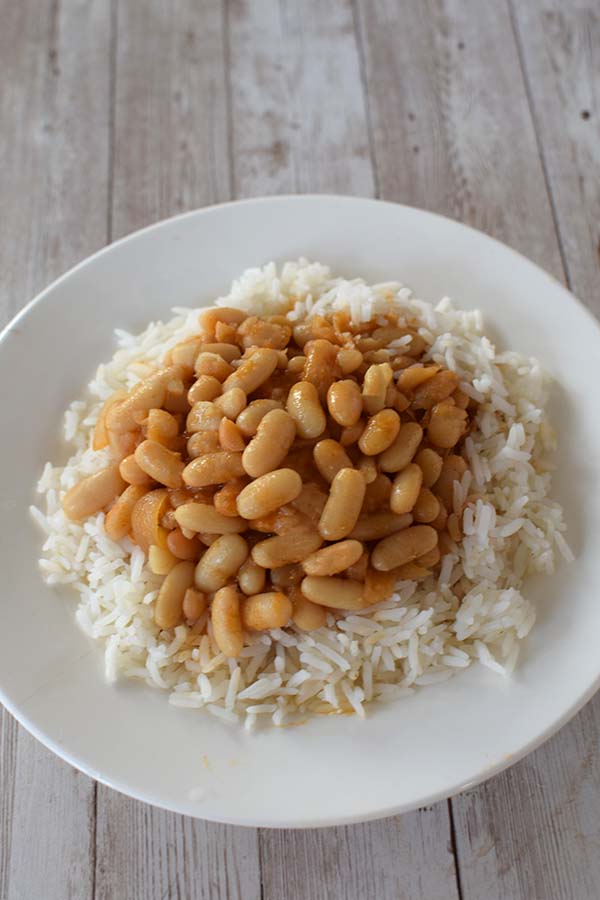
<point>112,99</point>
<point>538,141</point>
<point>8,788</point>
<point>292,110</point>
<point>228,98</point>
<point>454,848</point>
<point>94,838</point>
<point>358,38</point>
<point>260,842</point>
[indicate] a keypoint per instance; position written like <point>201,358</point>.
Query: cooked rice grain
<point>423,633</point>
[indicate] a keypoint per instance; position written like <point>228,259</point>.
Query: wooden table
<point>116,114</point>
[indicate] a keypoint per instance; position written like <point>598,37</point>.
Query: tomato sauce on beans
<point>272,471</point>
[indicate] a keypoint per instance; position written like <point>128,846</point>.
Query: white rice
<point>473,612</point>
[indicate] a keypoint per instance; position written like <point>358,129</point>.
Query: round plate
<point>331,770</point>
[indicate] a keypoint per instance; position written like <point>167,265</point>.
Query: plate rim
<point>486,772</point>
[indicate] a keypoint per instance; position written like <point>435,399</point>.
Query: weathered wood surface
<point>451,127</point>
<point>401,858</point>
<point>560,54</point>
<point>148,853</point>
<point>546,843</point>
<point>298,111</point>
<point>299,124</point>
<point>54,112</point>
<point>169,154</point>
<point>170,147</point>
<point>115,115</point>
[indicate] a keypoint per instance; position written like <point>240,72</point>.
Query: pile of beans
<point>272,472</point>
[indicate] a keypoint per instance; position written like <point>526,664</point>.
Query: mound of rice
<point>474,611</point>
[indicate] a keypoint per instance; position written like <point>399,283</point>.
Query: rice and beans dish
<point>315,494</point>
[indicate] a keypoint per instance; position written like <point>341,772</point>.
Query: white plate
<point>331,770</point>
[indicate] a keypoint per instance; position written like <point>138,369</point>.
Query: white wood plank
<point>147,853</point>
<point>171,92</point>
<point>462,126</point>
<point>298,111</point>
<point>53,182</point>
<point>560,46</point>
<point>52,844</point>
<point>8,765</point>
<point>170,154</point>
<point>54,123</point>
<point>299,123</point>
<point>403,858</point>
<point>546,845</point>
<point>452,131</point>
<point>534,831</point>
<point>171,139</point>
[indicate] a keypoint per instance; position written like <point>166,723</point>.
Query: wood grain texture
<point>299,123</point>
<point>462,127</point>
<point>54,110</point>
<point>170,116</point>
<point>485,112</point>
<point>170,154</point>
<point>146,852</point>
<point>52,846</point>
<point>534,831</point>
<point>402,858</point>
<point>560,48</point>
<point>54,123</point>
<point>8,768</point>
<point>547,844</point>
<point>297,105</point>
<point>451,127</point>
